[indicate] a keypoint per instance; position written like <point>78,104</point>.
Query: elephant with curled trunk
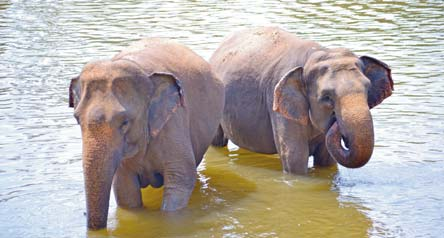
<point>147,117</point>
<point>296,98</point>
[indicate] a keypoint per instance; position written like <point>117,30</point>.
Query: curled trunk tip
<point>360,146</point>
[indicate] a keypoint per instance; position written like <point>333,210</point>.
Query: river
<point>399,193</point>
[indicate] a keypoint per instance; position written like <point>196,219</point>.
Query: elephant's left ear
<point>74,92</point>
<point>167,96</point>
<point>380,75</point>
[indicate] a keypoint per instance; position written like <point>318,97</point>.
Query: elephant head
<point>119,108</point>
<point>334,91</point>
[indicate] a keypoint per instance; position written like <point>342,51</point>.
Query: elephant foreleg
<point>292,145</point>
<point>180,177</point>
<point>294,158</point>
<point>127,188</point>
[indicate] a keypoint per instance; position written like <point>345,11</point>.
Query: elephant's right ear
<point>167,96</point>
<point>289,99</point>
<point>74,92</point>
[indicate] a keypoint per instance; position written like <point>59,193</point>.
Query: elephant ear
<point>380,75</point>
<point>167,96</point>
<point>74,92</point>
<point>289,99</point>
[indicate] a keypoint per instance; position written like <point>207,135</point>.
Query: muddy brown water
<point>399,193</point>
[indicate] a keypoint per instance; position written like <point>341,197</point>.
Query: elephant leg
<point>321,156</point>
<point>126,187</point>
<point>291,140</point>
<point>219,139</point>
<point>294,157</point>
<point>179,177</point>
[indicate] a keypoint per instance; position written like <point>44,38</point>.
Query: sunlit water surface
<point>399,193</point>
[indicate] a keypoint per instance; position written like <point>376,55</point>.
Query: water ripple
<point>45,43</point>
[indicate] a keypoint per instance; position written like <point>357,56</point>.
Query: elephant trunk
<point>355,126</point>
<point>99,165</point>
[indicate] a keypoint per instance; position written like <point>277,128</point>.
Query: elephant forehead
<point>349,79</point>
<point>108,71</point>
<point>339,63</point>
<point>341,81</point>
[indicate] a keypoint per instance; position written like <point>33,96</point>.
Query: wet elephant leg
<point>321,156</point>
<point>292,145</point>
<point>127,188</point>
<point>179,179</point>
<point>294,158</point>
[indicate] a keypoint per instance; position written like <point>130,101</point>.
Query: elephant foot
<point>175,199</point>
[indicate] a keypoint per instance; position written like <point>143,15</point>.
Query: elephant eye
<point>327,101</point>
<point>125,125</point>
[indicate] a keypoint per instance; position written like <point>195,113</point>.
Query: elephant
<point>296,98</point>
<point>147,116</point>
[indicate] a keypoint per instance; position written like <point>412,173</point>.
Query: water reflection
<point>397,194</point>
<point>236,201</point>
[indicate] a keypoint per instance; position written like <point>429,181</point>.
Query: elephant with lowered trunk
<point>147,117</point>
<point>294,97</point>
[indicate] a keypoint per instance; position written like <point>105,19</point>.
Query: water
<point>399,193</point>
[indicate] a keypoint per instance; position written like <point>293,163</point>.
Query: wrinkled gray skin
<point>147,117</point>
<point>294,97</point>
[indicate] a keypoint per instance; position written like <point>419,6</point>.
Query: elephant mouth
<point>331,121</point>
<point>344,141</point>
